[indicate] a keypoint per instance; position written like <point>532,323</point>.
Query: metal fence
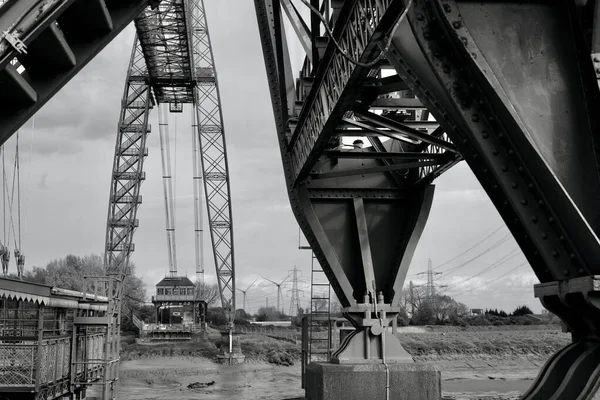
<point>290,335</point>
<point>55,360</point>
<point>19,361</point>
<point>17,364</point>
<point>90,353</point>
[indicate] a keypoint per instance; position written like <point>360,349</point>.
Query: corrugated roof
<point>43,294</point>
<point>175,281</point>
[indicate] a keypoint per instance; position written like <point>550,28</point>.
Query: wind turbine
<point>278,291</point>
<point>244,292</point>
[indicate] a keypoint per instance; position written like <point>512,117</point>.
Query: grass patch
<point>138,351</point>
<point>261,348</point>
<point>492,342</point>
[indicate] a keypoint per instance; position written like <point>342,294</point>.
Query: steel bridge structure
<point>45,43</point>
<point>509,87</point>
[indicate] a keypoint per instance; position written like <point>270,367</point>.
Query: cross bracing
<point>128,173</point>
<point>173,63</point>
<point>165,42</point>
<point>520,112</point>
<point>214,158</point>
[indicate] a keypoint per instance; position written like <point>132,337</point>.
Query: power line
<point>493,280</point>
<point>470,248</point>
<point>494,231</point>
<point>492,247</point>
<point>343,52</point>
<point>496,264</point>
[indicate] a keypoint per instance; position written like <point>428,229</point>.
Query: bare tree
<point>412,299</point>
<point>206,292</point>
<point>424,308</point>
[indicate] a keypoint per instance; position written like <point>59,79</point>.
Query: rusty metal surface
<point>85,32</point>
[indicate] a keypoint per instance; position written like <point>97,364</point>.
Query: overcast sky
<point>65,179</point>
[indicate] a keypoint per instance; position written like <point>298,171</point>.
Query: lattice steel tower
<point>172,63</point>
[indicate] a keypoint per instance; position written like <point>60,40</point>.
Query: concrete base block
<point>408,381</point>
<point>234,358</point>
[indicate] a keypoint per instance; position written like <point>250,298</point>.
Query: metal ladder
<point>319,342</point>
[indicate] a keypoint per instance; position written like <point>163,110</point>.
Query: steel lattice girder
<point>164,37</point>
<point>388,177</point>
<point>514,87</point>
<point>165,45</point>
<point>61,37</point>
<point>128,172</point>
<point>214,158</point>
<point>337,80</point>
<point>545,192</point>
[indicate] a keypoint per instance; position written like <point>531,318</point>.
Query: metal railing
<point>55,361</point>
<point>284,334</point>
<point>19,364</point>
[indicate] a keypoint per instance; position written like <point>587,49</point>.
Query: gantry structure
<point>513,87</point>
<point>172,65</point>
<point>46,42</point>
<point>509,87</point>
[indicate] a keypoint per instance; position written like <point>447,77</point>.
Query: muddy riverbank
<point>485,364</point>
<point>195,378</point>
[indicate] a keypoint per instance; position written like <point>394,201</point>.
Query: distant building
<point>476,311</point>
<point>175,302</point>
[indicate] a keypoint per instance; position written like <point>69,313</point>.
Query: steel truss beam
<point>355,93</point>
<point>59,37</point>
<point>345,197</point>
<point>165,41</point>
<point>179,68</point>
<point>128,173</point>
<point>337,80</point>
<point>515,89</point>
<point>214,158</point>
<point>361,96</point>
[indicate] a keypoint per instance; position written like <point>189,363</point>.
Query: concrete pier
<point>236,357</point>
<point>407,381</point>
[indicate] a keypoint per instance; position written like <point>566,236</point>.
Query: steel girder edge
<point>266,25</point>
<point>120,21</point>
<point>553,232</point>
<point>454,123</point>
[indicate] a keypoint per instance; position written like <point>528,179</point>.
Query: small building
<point>47,348</point>
<point>176,303</point>
<point>476,311</point>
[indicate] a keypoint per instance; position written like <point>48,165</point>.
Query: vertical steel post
<point>40,338</point>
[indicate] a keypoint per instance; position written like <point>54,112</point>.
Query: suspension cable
<point>343,52</point>
<point>4,194</point>
<point>27,191</point>
<point>174,198</point>
<point>197,181</point>
<point>167,187</point>
<point>18,167</point>
<point>11,200</point>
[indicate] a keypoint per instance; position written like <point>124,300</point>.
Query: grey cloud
<point>82,119</point>
<point>42,184</point>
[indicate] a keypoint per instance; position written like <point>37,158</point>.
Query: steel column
<point>513,86</point>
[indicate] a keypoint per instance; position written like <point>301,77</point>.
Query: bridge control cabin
<point>44,353</point>
<point>178,312</point>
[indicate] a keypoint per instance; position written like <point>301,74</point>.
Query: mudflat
<point>491,363</point>
<point>194,378</point>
